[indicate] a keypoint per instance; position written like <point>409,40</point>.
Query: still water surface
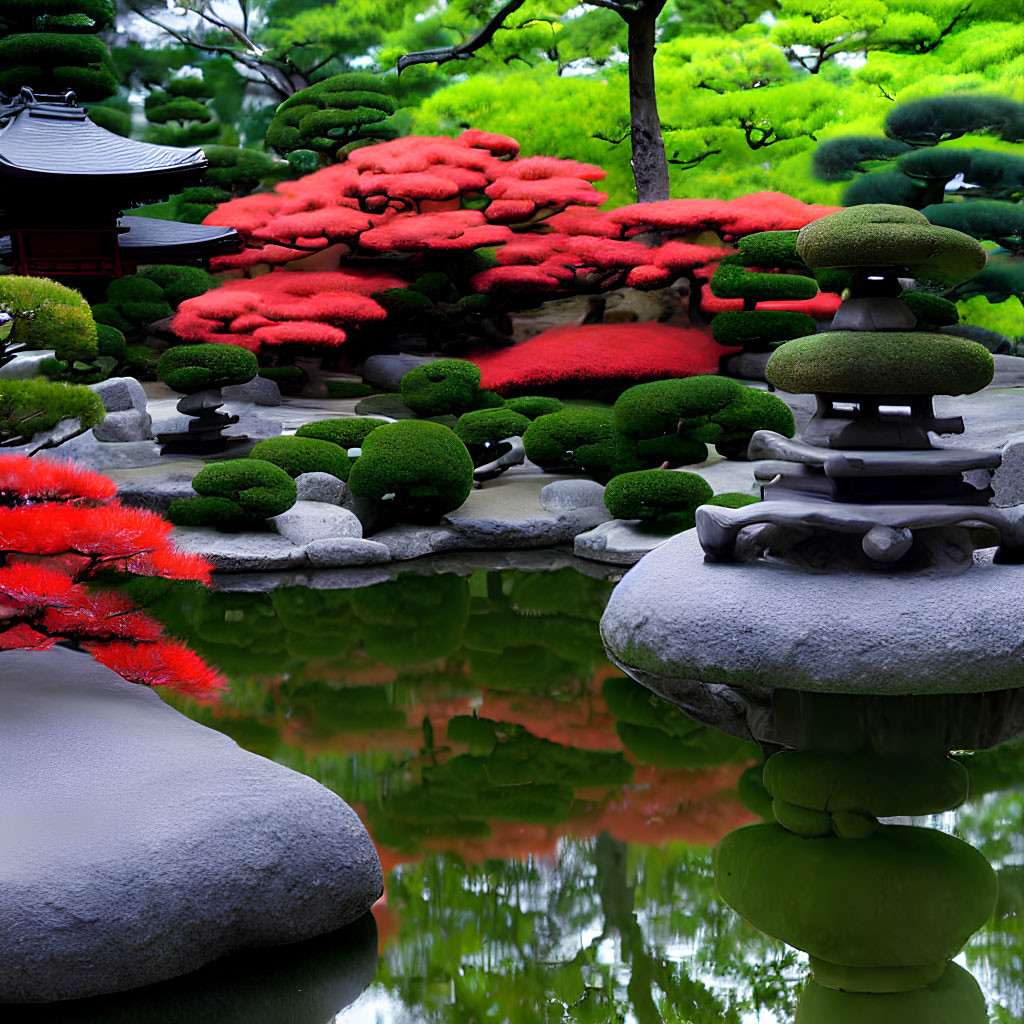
<point>544,824</point>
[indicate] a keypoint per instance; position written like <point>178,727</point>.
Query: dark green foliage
<point>935,119</point>
<point>1002,279</point>
<point>840,159</point>
<point>132,303</point>
<point>444,386</point>
<point>333,113</point>
<point>30,407</point>
<point>192,368</point>
<point>931,310</point>
<point>890,186</point>
<point>881,363</point>
<point>760,329</point>
<point>237,491</point>
<point>487,425</point>
<point>348,389</point>
<point>290,379</point>
<point>55,61</point>
<point>660,496</point>
<point>390,405</point>
<point>238,170</point>
<point>177,283</point>
<point>298,455</point>
<point>582,440</point>
<point>112,354</point>
<point>733,281</point>
<point>984,219</point>
<point>345,432</point>
<point>770,249</point>
<point>532,406</point>
<point>732,499</point>
<point>48,315</point>
<point>112,118</point>
<point>424,466</point>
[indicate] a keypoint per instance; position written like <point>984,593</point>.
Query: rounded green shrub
<point>192,368</point>
<point>931,310</point>
<point>110,342</point>
<point>48,315</point>
<point>235,491</point>
<point>659,496</point>
<point>298,455</point>
<point>422,470</point>
<point>733,281</point>
<point>486,425</point>
<point>443,386</point>
<point>823,895</point>
<point>138,299</point>
<point>31,407</point>
<point>582,440</point>
<point>177,283</point>
<point>881,363</point>
<point>879,235</point>
<point>759,330</point>
<point>346,431</point>
<point>532,406</point>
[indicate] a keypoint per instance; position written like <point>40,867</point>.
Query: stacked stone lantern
<point>866,469</point>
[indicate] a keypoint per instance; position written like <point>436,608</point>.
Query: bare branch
<point>694,160</point>
<point>461,51</point>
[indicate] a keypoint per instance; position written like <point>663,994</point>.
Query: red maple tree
<point>62,534</point>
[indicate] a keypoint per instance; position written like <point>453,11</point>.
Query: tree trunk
<point>650,168</point>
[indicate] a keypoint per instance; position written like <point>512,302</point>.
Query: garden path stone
<point>570,495</point>
<point>139,845</point>
<point>617,542</point>
<point>307,521</point>
<point>339,552</point>
<point>240,552</point>
<point>845,632</point>
<point>321,487</point>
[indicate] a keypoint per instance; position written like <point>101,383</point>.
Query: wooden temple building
<point>65,183</point>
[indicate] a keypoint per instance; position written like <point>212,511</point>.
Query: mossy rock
<point>881,363</point>
<point>532,406</point>
<point>237,491</point>
<point>880,235</point>
<point>931,310</point>
<point>954,999</point>
<point>345,431</point>
<point>581,439</point>
<point>192,368</point>
<point>759,330</point>
<point>420,470</point>
<point>732,499</point>
<point>657,496</point>
<point>904,897</point>
<point>866,783</point>
<point>443,386</point>
<point>484,426</point>
<point>388,404</point>
<point>298,455</point>
<point>30,407</point>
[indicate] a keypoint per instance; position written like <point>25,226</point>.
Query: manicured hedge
<point>346,431</point>
<point>237,491</point>
<point>298,455</point>
<point>443,386</point>
<point>31,407</point>
<point>659,496</point>
<point>486,425</point>
<point>191,368</point>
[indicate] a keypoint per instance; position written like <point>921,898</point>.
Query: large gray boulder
<point>125,403</point>
<point>137,845</point>
<point>385,371</point>
<point>676,622</point>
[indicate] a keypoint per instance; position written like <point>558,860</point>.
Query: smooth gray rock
<point>25,365</point>
<point>569,495</point>
<point>138,845</point>
<point>339,552</point>
<point>675,620</point>
<point>240,552</point>
<point>100,455</point>
<point>386,371</point>
<point>119,394</point>
<point>617,542</point>
<point>405,542</point>
<point>157,491</point>
<point>308,521</point>
<point>1008,478</point>
<point>535,532</point>
<point>321,487</point>
<point>259,391</point>
<point>127,418</point>
<point>1009,371</point>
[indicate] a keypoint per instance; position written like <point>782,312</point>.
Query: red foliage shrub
<point>558,358</point>
<point>62,531</point>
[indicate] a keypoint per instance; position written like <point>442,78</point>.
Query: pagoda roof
<point>48,139</point>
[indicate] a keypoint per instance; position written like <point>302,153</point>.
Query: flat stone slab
<point>675,620</point>
<point>138,845</point>
<point>308,521</point>
<point>618,542</point>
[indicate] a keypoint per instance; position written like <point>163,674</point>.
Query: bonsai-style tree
<point>236,494</point>
<point>180,113</point>
<point>29,408</point>
<point>63,535</point>
<point>46,314</point>
<point>199,372</point>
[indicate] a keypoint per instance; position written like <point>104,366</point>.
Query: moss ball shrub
<point>732,499</point>
<point>488,425</point>
<point>533,406</point>
<point>582,440</point>
<point>423,467</point>
<point>760,330</point>
<point>346,431</point>
<point>46,314</point>
<point>347,388</point>
<point>931,310</point>
<point>878,235</point>
<point>138,299</point>
<point>238,491</point>
<point>31,407</point>
<point>443,386</point>
<point>178,283</point>
<point>733,281</point>
<point>881,363</point>
<point>192,368</point>
<point>112,354</point>
<point>657,496</point>
<point>298,455</point>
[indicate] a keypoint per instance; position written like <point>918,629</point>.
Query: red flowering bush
<point>62,533</point>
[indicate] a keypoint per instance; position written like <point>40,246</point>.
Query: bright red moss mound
<point>63,534</point>
<point>564,359</point>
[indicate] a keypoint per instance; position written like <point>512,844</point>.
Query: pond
<point>544,823</point>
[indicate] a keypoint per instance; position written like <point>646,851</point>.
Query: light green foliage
<point>533,406</point>
<point>489,425</point>
<point>111,354</point>
<point>238,491</point>
<point>192,368</point>
<point>443,386</point>
<point>177,283</point>
<point>30,407</point>
<point>420,470</point>
<point>298,455</point>
<point>582,440</point>
<point>346,431</point>
<point>658,496</point>
<point>48,315</point>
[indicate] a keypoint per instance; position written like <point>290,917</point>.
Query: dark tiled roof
<point>148,237</point>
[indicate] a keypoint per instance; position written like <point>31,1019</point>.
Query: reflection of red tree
<point>61,531</point>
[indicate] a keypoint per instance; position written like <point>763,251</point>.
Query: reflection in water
<point>546,825</point>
